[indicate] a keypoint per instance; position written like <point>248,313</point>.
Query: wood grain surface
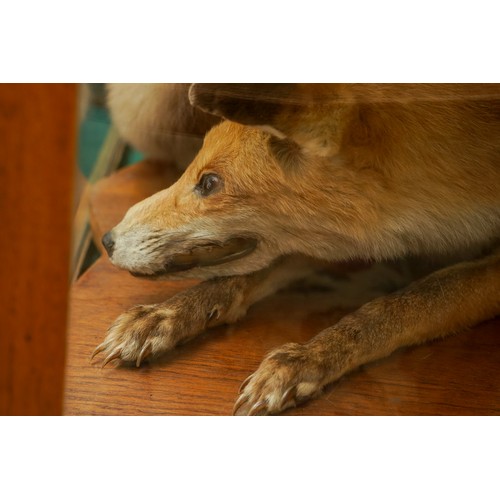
<point>455,376</point>
<point>37,163</point>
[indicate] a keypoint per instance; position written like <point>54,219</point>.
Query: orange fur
<point>332,172</point>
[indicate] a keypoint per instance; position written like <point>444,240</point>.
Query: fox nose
<point>109,243</point>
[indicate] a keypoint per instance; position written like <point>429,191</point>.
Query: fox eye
<point>209,184</point>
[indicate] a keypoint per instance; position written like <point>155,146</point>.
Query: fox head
<point>253,193</point>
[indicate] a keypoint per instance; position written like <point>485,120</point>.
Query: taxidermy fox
<point>298,174</point>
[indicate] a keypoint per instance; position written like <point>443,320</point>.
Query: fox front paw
<point>142,332</point>
<point>287,376</point>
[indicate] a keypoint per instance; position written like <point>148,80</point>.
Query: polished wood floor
<point>456,376</point>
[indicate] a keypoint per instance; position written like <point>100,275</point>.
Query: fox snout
<point>108,243</point>
<point>157,255</point>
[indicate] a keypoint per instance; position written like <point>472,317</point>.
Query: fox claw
<point>239,403</point>
<point>245,383</point>
<point>257,408</point>
<point>288,397</point>
<point>114,355</point>
<point>146,351</point>
<point>97,350</point>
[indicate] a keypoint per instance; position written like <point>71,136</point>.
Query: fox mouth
<point>207,254</point>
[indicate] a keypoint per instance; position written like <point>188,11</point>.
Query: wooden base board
<point>455,376</point>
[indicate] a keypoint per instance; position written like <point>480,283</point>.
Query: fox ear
<point>295,113</point>
<point>256,104</point>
